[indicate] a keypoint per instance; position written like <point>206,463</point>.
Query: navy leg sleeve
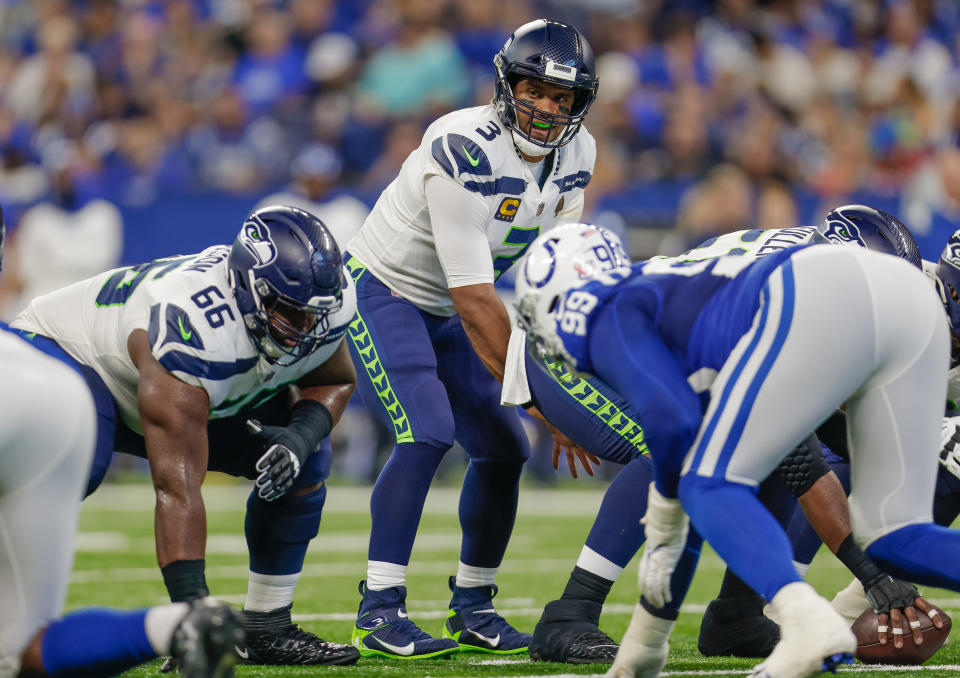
<point>279,532</point>
<point>617,533</point>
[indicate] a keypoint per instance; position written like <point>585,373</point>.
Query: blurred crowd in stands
<point>137,128</point>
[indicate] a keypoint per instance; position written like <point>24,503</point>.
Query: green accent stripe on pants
<point>598,405</point>
<point>362,341</point>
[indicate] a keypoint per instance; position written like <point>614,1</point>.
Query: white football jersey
<point>753,243</point>
<point>470,146</point>
<point>193,323</point>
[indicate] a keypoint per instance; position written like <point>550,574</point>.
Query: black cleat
<point>273,639</point>
<point>737,627</point>
<point>569,632</point>
<point>202,644</point>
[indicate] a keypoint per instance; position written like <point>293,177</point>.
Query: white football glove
<point>950,444</point>
<point>666,526</point>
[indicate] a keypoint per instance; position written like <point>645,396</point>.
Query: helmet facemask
<point>284,329</point>
<point>513,110</point>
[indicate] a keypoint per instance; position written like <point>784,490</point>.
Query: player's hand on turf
<point>666,526</point>
<point>279,466</point>
<point>563,444</point>
<point>950,444</point>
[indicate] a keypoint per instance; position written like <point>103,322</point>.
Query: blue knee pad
<point>279,532</point>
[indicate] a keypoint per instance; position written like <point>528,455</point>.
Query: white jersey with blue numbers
<point>471,148</point>
<point>754,243</point>
<point>193,324</point>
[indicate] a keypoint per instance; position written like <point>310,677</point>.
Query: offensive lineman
<point>713,379</point>
<point>229,360</point>
<point>430,337</point>
<point>46,446</point>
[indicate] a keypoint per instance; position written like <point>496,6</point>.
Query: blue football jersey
<point>659,337</point>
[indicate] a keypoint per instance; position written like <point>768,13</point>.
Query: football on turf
<point>870,651</point>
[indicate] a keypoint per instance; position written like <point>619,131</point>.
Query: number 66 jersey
<point>194,327</point>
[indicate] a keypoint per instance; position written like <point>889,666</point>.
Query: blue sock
<point>741,531</point>
<point>488,507</point>
<point>95,642</point>
<point>617,533</point>
<point>925,554</point>
<point>279,532</point>
<point>397,500</point>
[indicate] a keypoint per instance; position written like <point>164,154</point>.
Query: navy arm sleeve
<point>628,353</point>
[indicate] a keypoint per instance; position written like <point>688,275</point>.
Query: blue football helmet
<point>870,228</point>
<point>286,274</point>
<point>552,52</point>
<point>561,259</point>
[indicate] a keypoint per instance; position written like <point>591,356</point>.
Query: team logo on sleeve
<point>507,210</point>
<point>843,231</point>
<point>255,236</point>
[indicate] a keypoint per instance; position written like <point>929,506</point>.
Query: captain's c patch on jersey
<point>507,210</point>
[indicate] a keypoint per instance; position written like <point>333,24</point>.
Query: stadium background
<point>134,129</point>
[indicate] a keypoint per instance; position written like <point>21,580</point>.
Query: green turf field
<point>115,565</point>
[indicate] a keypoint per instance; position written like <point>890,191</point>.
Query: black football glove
<point>280,464</point>
<point>887,593</point>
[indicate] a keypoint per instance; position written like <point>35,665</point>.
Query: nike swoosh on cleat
<point>401,613</point>
<point>489,611</point>
<point>492,642</point>
<point>402,650</point>
<point>243,654</point>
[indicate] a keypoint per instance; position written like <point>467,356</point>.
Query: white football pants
<point>838,325</point>
<point>47,435</point>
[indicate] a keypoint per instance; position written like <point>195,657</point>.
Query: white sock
<point>594,563</point>
<point>383,575</point>
<point>469,576</point>
<point>160,623</point>
<point>267,592</point>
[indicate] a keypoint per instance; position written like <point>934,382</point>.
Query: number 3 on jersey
<point>516,237</point>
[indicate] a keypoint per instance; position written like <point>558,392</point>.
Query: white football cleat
<point>813,636</point>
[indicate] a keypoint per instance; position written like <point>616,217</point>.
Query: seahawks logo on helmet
<point>255,236</point>
<point>951,252</point>
<point>843,232</point>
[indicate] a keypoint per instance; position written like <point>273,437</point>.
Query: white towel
<point>515,391</point>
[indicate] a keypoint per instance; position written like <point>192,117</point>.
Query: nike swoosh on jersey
<point>403,650</point>
<point>473,163</point>
<point>184,332</point>
<point>401,613</point>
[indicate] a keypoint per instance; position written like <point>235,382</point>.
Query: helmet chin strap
<point>526,146</point>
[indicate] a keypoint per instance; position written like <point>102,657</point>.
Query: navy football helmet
<point>555,53</point>
<point>870,228</point>
<point>948,279</point>
<point>286,274</point>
